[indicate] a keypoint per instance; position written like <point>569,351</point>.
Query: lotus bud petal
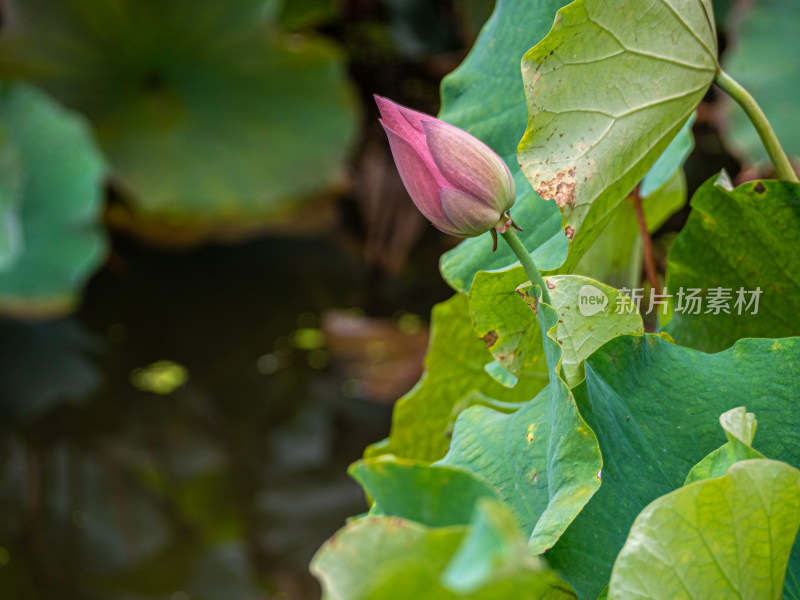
<point>470,165</point>
<point>460,184</point>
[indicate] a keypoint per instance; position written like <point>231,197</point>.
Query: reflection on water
<point>186,435</point>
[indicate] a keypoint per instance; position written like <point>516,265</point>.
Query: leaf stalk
<point>776,154</point>
<point>525,259</point>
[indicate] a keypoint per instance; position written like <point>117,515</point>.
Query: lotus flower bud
<point>460,184</point>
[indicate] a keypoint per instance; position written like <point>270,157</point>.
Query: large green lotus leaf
<point>654,407</point>
<point>385,558</point>
<point>723,538</point>
<point>510,452</point>
<point>607,90</point>
<point>762,56</point>
<point>615,257</point>
<point>546,439</point>
<point>502,314</point>
<point>740,429</point>
<point>485,96</point>
<point>206,115</point>
<point>53,241</point>
<point>741,239</point>
<point>454,367</point>
<point>433,495</point>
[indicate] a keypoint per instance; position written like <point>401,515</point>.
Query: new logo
<point>591,300</point>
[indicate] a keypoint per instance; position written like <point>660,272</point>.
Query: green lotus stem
<point>776,154</point>
<point>525,259</point>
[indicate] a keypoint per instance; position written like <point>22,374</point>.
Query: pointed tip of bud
<point>380,101</point>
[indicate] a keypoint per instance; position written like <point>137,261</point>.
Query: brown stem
<point>647,242</point>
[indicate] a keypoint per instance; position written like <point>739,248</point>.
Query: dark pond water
<point>187,433</point>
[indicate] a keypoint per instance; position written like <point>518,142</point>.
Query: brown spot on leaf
<point>490,338</point>
<point>569,231</point>
<point>527,296</point>
<point>560,188</point>
<point>551,285</point>
<point>564,194</point>
<point>759,188</point>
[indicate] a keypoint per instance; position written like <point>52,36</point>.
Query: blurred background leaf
<point>209,114</point>
<point>51,196</point>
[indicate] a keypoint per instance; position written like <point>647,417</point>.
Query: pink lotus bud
<point>456,181</point>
